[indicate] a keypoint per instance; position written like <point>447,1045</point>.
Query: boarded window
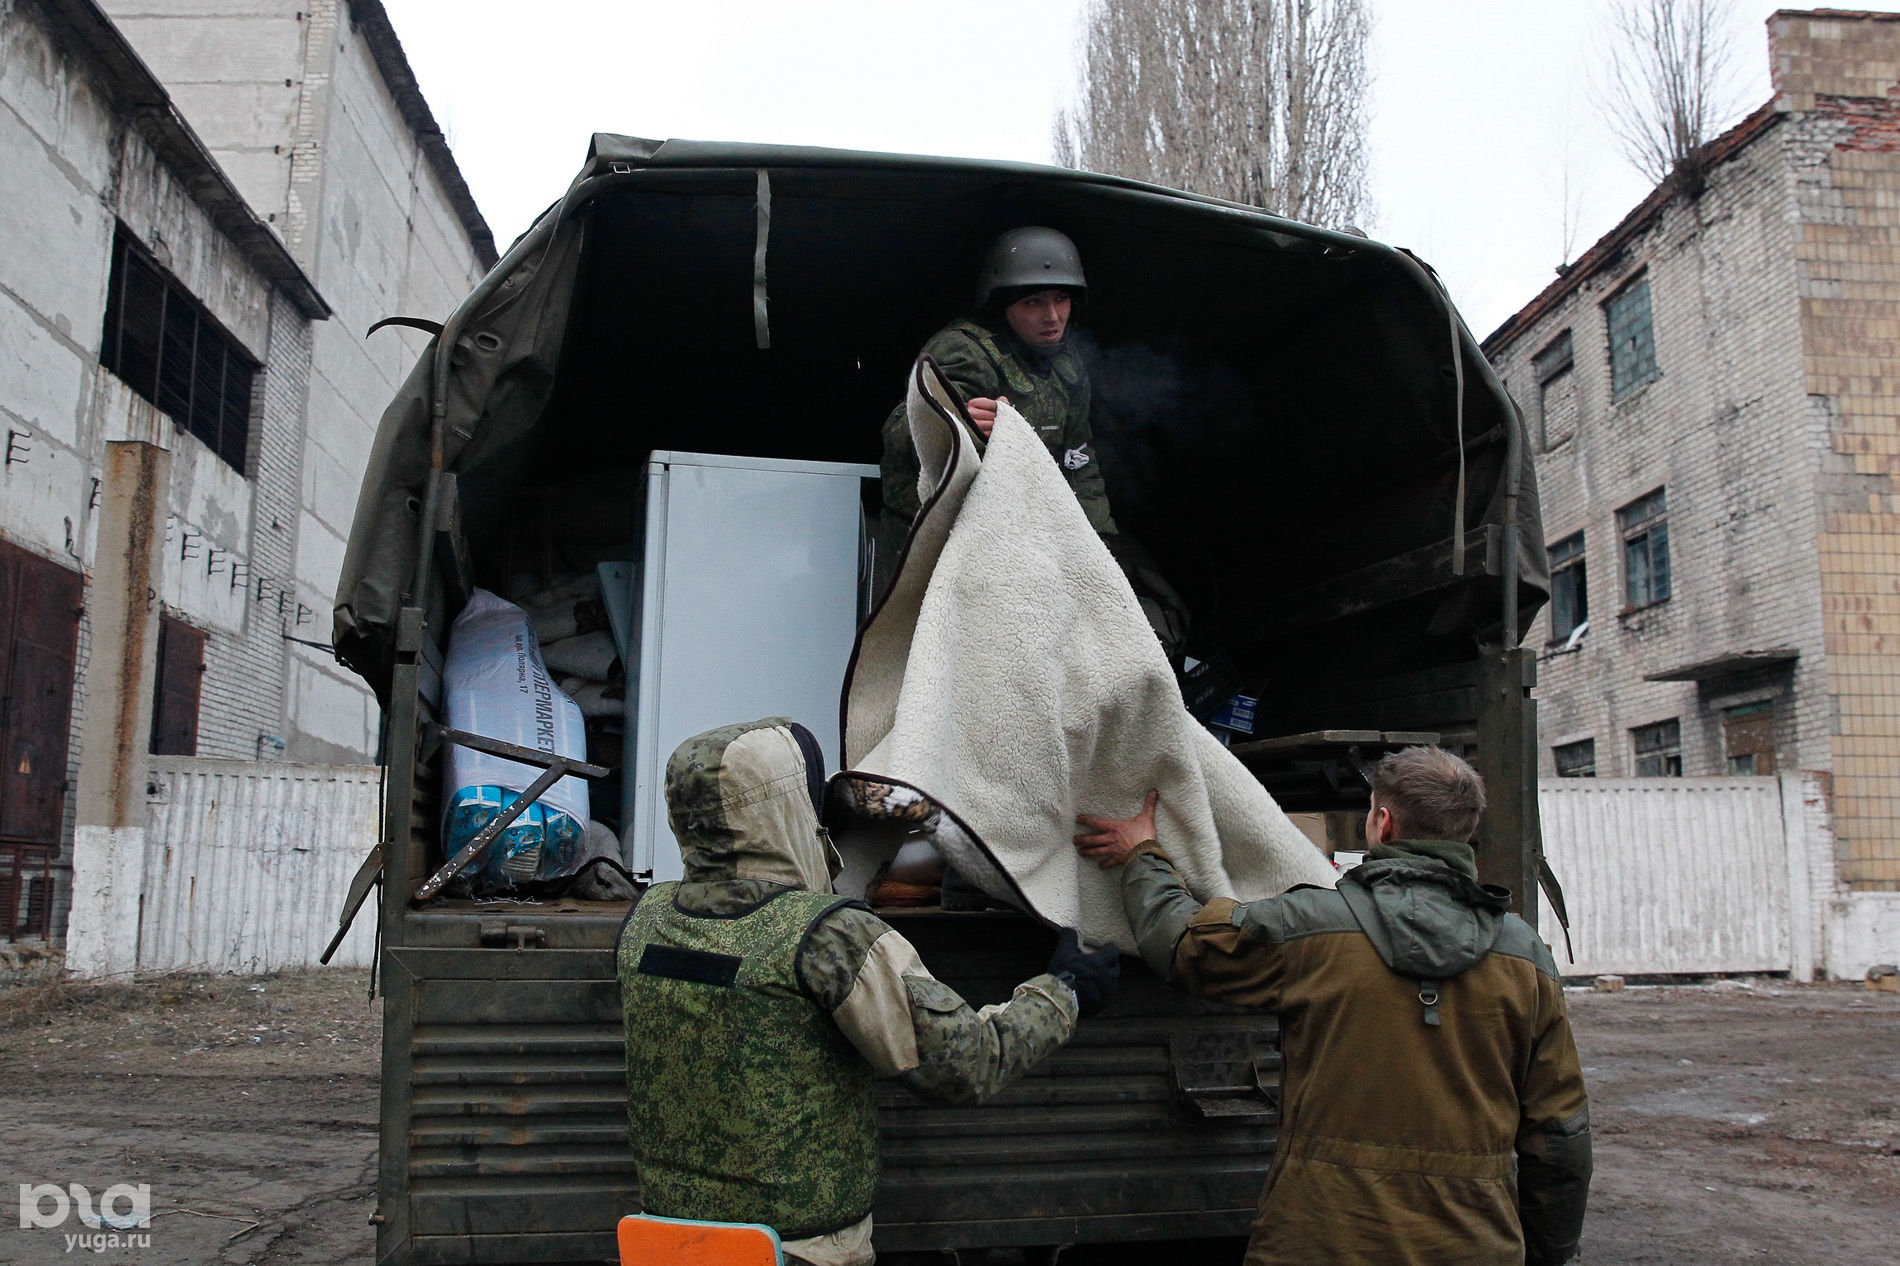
<point>1569,588</point>
<point>39,627</point>
<point>1645,525</point>
<point>181,666</point>
<point>164,345</point>
<point>1658,749</point>
<point>1632,339</point>
<point>1558,406</point>
<point>1748,738</point>
<point>1576,760</point>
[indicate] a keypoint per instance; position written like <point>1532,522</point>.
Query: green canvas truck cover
<point>1283,410</point>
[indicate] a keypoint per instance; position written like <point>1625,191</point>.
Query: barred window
<point>1569,588</point>
<point>1632,339</point>
<point>1576,760</point>
<point>1645,523</point>
<point>1658,749</point>
<point>162,344</point>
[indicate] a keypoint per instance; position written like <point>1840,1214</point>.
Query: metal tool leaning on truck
<point>759,1007</point>
<point>1433,1109</point>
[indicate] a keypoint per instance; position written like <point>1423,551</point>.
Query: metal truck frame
<point>504,1128</point>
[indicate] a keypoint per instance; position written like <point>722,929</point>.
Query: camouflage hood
<point>743,802</point>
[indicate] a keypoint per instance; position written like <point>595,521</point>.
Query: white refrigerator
<point>750,577</point>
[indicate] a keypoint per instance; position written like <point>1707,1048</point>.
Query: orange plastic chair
<point>648,1240</point>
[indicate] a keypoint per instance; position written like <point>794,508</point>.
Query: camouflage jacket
<point>1431,1084</point>
<point>985,359</point>
<point>742,801</point>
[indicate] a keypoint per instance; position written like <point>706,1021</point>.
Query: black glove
<point>1091,975</point>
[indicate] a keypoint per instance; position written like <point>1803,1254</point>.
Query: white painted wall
<point>1697,876</point>
<point>1863,929</point>
<point>247,864</point>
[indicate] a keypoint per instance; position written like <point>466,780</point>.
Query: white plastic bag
<point>494,684</point>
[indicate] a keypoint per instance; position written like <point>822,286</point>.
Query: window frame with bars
<point>1664,747</point>
<point>1569,588</point>
<point>1629,323</point>
<point>165,345</point>
<point>1644,527</point>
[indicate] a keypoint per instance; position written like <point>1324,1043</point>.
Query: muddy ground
<point>1734,1122</point>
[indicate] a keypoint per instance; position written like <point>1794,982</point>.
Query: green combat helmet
<point>1030,257</point>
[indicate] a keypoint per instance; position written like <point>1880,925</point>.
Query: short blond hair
<point>1430,793</point>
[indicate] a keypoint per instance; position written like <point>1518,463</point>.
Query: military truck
<point>1294,421</point>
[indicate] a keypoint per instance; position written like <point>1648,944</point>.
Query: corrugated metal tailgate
<point>518,1129</point>
<point>1156,1122</point>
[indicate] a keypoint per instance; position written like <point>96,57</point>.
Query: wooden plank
<point>1318,740</point>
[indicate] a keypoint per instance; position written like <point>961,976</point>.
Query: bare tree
<point>1256,101</point>
<point>1663,84</point>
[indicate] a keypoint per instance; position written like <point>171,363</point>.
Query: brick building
<point>193,265</point>
<point>1713,390</point>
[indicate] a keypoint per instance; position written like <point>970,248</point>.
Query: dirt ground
<point>1734,1122</point>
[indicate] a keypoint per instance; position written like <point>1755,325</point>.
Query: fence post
<point>1794,833</point>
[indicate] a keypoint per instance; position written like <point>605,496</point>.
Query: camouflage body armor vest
<point>746,1103</point>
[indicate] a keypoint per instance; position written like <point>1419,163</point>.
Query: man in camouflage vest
<point>759,1007</point>
<point>1020,348</point>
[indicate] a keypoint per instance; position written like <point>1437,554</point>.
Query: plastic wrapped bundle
<point>496,685</point>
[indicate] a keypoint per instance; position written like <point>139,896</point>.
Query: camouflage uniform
<point>984,359</point>
<point>758,1007</point>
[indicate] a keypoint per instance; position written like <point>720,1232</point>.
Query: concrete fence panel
<point>247,864</point>
<point>1670,875</point>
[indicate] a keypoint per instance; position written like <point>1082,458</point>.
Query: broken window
<point>1645,524</point>
<point>1748,738</point>
<point>1632,339</point>
<point>1576,760</point>
<point>1569,588</point>
<point>162,344</point>
<point>1658,749</point>
<point>1557,405</point>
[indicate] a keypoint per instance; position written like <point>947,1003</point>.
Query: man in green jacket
<point>1432,1105</point>
<point>759,1007</point>
<point>1020,349</point>
<point>1017,349</point>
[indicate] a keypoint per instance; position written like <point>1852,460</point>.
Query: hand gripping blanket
<point>1010,676</point>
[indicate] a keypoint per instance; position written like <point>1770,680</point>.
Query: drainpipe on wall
<point>102,933</point>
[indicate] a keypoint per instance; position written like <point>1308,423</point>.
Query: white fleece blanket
<point>1011,676</point>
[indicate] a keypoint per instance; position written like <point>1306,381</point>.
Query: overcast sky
<point>1479,106</point>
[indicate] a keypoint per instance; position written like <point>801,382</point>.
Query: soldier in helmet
<point>1016,348</point>
<point>1019,347</point>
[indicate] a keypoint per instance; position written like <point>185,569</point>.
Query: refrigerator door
<point>747,606</point>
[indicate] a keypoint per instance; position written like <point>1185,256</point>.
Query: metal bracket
<point>511,935</point>
<point>554,768</point>
<point>1218,1074</point>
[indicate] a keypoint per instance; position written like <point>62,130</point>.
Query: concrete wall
<point>1727,432</point>
<point>74,167</point>
<point>294,97</point>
